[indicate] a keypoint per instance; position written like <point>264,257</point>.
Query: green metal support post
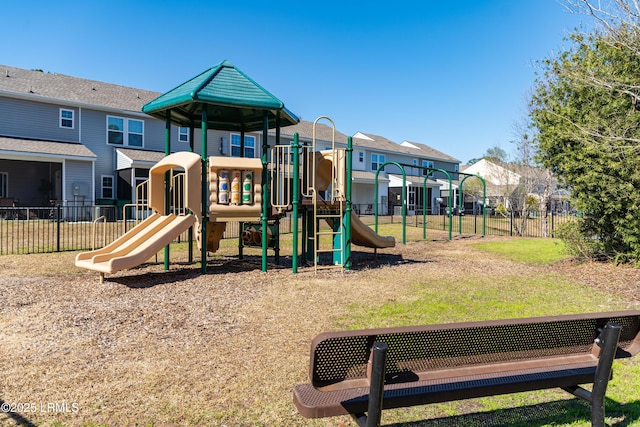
<point>461,202</point>
<point>484,207</point>
<point>276,235</point>
<point>241,224</point>
<point>450,206</point>
<point>347,216</point>
<point>205,205</point>
<point>310,241</point>
<point>295,148</point>
<point>404,199</point>
<point>190,233</point>
<point>167,180</point>
<point>265,190</point>
<point>484,198</point>
<point>404,207</point>
<point>424,210</point>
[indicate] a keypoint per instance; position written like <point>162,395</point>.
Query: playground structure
<point>234,191</point>
<point>162,226</point>
<point>210,191</point>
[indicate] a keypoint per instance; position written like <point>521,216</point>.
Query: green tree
<point>584,110</point>
<point>496,154</point>
<point>474,189</point>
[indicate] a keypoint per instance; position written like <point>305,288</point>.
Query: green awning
<point>233,101</point>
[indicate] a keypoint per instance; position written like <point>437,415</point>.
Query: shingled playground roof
<point>233,101</point>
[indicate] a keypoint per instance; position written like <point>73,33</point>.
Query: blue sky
<point>454,75</point>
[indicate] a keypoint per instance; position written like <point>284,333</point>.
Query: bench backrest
<point>340,359</point>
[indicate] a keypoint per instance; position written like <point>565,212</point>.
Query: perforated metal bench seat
<point>437,363</point>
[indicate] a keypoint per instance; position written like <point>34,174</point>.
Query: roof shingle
<point>63,149</point>
<point>72,89</point>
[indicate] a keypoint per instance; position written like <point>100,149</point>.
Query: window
<point>125,131</point>
<point>377,160</point>
<point>415,162</point>
<point>456,167</point>
<point>4,184</point>
<point>426,164</point>
<point>183,135</point>
<point>107,187</point>
<point>249,145</point>
<point>141,192</point>
<point>136,132</point>
<point>115,126</point>
<point>361,157</point>
<point>66,118</point>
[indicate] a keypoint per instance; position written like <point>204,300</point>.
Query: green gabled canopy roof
<point>233,101</point>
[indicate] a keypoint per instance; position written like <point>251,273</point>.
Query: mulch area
<point>155,347</point>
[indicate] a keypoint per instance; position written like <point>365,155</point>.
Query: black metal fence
<point>494,225</point>
<point>25,230</point>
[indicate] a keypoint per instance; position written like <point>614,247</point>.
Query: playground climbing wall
<point>235,189</point>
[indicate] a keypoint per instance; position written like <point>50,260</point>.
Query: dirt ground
<point>149,347</point>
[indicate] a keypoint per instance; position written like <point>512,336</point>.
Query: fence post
<point>553,224</point>
<point>511,224</point>
<point>59,209</point>
<point>475,222</point>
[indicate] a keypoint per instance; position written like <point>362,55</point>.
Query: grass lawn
<point>155,348</point>
<point>539,251</point>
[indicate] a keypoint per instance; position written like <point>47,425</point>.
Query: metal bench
<point>359,373</point>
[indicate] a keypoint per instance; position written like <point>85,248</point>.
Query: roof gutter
<point>66,103</point>
<point>27,155</point>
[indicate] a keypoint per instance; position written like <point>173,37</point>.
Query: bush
<point>576,243</point>
<point>502,210</point>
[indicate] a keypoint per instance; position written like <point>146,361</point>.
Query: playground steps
<point>332,214</point>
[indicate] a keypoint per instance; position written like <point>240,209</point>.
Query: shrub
<point>576,243</point>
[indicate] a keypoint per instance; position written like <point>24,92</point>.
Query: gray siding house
<point>74,141</point>
<point>79,142</point>
<point>370,152</point>
<point>59,136</point>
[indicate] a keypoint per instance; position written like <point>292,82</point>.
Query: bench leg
<point>608,342</point>
<point>608,346</point>
<point>376,388</point>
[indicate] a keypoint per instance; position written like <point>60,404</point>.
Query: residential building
<point>507,183</point>
<point>418,162</point>
<point>372,151</point>
<point>75,141</point>
<point>81,142</point>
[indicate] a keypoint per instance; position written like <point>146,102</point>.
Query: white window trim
<point>113,186</point>
<point>186,134</point>
<point>381,159</point>
<point>125,131</point>
<point>425,164</point>
<point>73,118</point>
<point>360,156</point>
<point>255,144</point>
<point>128,132</point>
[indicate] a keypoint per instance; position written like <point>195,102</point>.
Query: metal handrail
<point>104,232</point>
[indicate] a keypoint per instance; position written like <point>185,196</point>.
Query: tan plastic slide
<point>157,231</point>
<point>361,233</point>
<point>137,245</point>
